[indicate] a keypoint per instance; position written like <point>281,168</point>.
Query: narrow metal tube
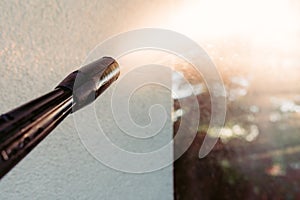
<point>26,132</point>
<point>25,127</point>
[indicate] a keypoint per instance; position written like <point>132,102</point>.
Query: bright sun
<point>213,18</point>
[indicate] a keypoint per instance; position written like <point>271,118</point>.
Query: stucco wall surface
<point>40,43</point>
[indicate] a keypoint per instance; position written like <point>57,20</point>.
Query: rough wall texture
<point>40,43</point>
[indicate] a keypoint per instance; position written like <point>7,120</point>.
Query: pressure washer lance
<point>24,127</point>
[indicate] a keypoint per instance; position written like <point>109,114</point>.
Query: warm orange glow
<point>265,19</point>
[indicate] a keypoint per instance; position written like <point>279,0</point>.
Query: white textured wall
<point>40,43</point>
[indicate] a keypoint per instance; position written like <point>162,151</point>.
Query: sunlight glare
<point>220,18</point>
